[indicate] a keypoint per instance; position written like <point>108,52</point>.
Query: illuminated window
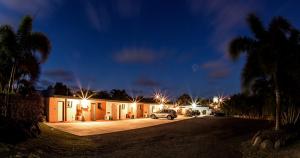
<point>123,106</point>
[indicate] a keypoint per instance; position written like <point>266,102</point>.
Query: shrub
<point>191,113</point>
<point>20,117</point>
<point>290,117</point>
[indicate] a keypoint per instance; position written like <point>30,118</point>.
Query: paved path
<point>102,127</point>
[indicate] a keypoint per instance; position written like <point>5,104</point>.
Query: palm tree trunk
<point>277,99</point>
<point>10,82</point>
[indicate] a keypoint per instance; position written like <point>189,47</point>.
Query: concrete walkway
<point>102,127</point>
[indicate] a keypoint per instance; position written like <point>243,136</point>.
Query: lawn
<point>198,137</point>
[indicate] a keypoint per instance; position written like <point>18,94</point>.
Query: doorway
<point>120,111</point>
<point>93,111</point>
<point>60,111</point>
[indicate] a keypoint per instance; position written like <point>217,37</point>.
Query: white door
<point>60,110</point>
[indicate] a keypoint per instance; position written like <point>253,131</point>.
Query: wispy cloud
<point>138,55</point>
<point>98,17</point>
<point>226,17</point>
<point>36,8</point>
<point>146,82</point>
<point>59,75</point>
<point>128,8</point>
<point>216,69</point>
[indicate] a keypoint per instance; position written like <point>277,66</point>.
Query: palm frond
<point>30,67</point>
<point>41,44</point>
<point>7,40</point>
<point>256,26</point>
<point>280,24</point>
<point>252,70</point>
<point>24,32</point>
<point>240,45</point>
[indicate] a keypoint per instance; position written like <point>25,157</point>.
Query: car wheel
<point>153,116</point>
<point>169,117</point>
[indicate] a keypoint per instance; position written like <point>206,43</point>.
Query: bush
<point>291,117</point>
<point>191,113</point>
<point>20,117</point>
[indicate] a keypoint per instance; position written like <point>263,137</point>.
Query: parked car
<point>165,113</point>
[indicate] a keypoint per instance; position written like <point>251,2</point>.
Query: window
<point>69,104</point>
<point>123,106</point>
<point>99,106</point>
<point>140,106</point>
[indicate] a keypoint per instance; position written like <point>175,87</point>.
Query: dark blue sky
<point>144,45</point>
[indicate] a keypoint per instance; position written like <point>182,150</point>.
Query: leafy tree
<point>21,54</point>
<point>268,53</point>
<point>102,95</point>
<point>61,89</point>
<point>119,94</point>
<point>184,99</point>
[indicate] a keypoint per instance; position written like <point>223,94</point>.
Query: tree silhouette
<point>21,54</point>
<point>267,52</point>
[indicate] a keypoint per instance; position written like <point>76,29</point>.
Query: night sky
<point>144,45</point>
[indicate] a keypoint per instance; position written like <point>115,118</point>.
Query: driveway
<point>102,127</point>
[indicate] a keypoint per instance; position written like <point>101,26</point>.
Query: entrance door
<point>60,111</point>
<point>140,110</point>
<point>93,111</point>
<point>120,111</point>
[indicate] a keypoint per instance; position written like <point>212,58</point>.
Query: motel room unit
<point>68,109</point>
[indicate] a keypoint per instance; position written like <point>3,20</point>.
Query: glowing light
<point>160,98</point>
<point>157,96</point>
<point>194,105</point>
<point>215,99</point>
<point>221,100</point>
<point>134,103</point>
<point>84,103</point>
<point>194,102</point>
<point>85,96</point>
<point>161,106</point>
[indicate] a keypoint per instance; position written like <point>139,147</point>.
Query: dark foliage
<point>191,113</point>
<point>118,94</point>
<point>20,117</point>
<point>184,99</point>
<point>273,55</point>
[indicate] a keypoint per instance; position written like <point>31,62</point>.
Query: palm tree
<point>265,52</point>
<point>24,51</point>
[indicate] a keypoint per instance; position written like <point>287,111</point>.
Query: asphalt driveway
<point>102,127</point>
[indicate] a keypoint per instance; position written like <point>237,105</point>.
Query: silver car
<point>165,113</point>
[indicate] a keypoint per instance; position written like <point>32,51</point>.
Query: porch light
<point>161,106</point>
<point>84,103</point>
<point>194,105</point>
<point>134,103</point>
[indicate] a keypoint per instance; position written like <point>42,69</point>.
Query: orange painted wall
<point>86,113</point>
<point>139,110</point>
<point>52,115</point>
<point>52,108</point>
<point>146,109</point>
<point>100,113</point>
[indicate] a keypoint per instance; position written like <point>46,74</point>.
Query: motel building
<point>70,109</point>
